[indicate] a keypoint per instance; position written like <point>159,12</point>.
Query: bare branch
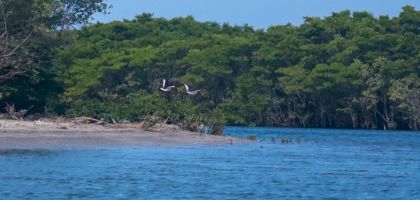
<point>20,44</point>
<point>11,74</point>
<point>13,113</point>
<point>4,23</point>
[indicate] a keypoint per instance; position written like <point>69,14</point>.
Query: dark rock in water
<point>298,140</point>
<point>273,140</point>
<point>252,137</point>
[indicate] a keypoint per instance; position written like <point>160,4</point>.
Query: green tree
<point>30,30</point>
<point>405,96</point>
<point>347,70</point>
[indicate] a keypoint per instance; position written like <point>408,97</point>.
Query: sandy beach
<point>52,134</point>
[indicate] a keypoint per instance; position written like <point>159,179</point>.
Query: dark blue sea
<point>284,164</point>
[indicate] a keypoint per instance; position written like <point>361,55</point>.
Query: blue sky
<point>257,13</point>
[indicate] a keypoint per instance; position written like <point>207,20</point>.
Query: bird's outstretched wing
<point>164,82</point>
<point>196,92</point>
<point>186,87</point>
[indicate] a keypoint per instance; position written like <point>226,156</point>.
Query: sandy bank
<point>53,134</point>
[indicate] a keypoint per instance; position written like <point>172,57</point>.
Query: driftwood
<point>14,114</point>
<point>87,120</point>
<point>161,127</point>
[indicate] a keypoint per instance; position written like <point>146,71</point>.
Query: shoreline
<point>51,134</point>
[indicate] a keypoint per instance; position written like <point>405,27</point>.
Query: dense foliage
<point>348,70</point>
<point>29,32</point>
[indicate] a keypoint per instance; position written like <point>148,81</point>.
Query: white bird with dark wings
<point>166,89</point>
<point>195,92</point>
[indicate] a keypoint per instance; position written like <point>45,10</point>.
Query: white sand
<point>65,134</point>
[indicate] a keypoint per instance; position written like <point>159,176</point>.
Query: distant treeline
<point>348,70</point>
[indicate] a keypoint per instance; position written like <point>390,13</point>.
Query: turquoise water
<point>285,164</point>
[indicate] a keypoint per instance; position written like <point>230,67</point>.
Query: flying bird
<point>166,89</point>
<point>191,92</point>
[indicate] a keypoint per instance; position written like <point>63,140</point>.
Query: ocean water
<point>284,164</point>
